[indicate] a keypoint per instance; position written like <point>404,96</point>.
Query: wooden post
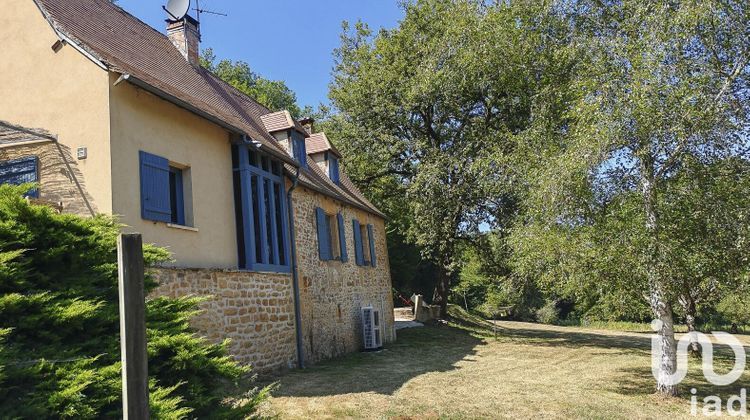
<point>132,327</point>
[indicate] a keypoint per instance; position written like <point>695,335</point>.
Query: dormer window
<point>333,168</point>
<point>298,149</point>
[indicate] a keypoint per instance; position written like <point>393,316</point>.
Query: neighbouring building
<point>109,115</point>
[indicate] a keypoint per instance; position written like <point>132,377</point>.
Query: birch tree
<point>661,82</point>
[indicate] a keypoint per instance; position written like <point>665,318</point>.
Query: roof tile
<point>14,134</point>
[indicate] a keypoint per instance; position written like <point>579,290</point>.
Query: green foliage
<point>434,104</point>
<point>59,325</point>
<point>636,194</point>
<point>273,94</point>
<point>549,313</point>
<point>735,307</point>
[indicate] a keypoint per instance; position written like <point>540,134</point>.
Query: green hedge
<point>59,326</point>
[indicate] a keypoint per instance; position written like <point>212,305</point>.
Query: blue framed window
<point>162,190</point>
<point>261,209</point>
<point>364,244</point>
<point>333,168</point>
<point>299,150</point>
<point>331,236</point>
<point>176,196</point>
<point>21,171</point>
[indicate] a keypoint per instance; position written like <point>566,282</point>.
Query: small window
<point>333,233</point>
<point>363,232</point>
<point>364,244</point>
<point>165,191</point>
<point>331,236</point>
<point>299,149</point>
<point>177,195</point>
<point>20,171</point>
<point>333,168</point>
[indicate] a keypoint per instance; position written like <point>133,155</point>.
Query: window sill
<point>181,227</point>
<point>268,269</point>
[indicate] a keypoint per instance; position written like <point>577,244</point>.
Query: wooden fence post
<point>132,327</point>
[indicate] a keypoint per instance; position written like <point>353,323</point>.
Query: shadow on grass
<point>417,351</point>
<point>439,348</point>
<point>639,381</point>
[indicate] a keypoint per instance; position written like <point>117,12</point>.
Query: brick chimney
<point>185,34</point>
<point>308,124</point>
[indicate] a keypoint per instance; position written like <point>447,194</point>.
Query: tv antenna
<point>199,11</point>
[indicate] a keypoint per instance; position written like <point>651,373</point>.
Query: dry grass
<point>462,371</point>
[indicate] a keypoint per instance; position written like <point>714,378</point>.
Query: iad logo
<point>707,350</point>
<point>736,406</point>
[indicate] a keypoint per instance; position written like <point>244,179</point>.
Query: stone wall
<point>254,310</point>
<point>333,292</point>
<point>61,182</point>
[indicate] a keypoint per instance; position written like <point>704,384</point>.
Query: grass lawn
<point>463,371</point>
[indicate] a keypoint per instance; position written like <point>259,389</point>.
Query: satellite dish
<point>177,9</point>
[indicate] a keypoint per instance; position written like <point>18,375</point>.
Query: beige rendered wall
<point>142,121</point>
<point>62,92</point>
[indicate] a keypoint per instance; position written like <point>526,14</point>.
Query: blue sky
<point>289,40</point>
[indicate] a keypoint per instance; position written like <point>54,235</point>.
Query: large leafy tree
<point>273,94</point>
<point>437,101</point>
<point>662,84</point>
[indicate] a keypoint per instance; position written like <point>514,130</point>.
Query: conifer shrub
<point>59,327</point>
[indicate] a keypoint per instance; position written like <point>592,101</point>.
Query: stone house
<point>252,204</point>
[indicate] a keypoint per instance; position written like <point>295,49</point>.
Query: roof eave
<point>69,40</point>
<point>374,211</point>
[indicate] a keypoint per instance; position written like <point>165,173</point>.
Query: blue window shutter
<point>21,171</point>
<point>155,201</point>
<point>342,238</point>
<point>358,251</point>
<point>324,246</point>
<point>372,245</point>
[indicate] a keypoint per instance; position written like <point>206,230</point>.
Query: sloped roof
<point>313,177</point>
<point>11,134</point>
<point>281,120</point>
<point>147,58</point>
<point>128,46</point>
<point>318,143</point>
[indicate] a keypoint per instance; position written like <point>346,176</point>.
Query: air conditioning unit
<point>373,336</point>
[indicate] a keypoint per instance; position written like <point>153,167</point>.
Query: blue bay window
<point>21,171</point>
<point>261,211</point>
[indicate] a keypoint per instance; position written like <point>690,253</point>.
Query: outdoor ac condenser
<point>371,328</point>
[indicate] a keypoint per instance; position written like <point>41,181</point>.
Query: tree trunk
<point>441,291</point>
<point>658,299</point>
<point>690,313</point>
<point>667,347</point>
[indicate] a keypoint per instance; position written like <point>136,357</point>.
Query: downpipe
<point>295,274</point>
